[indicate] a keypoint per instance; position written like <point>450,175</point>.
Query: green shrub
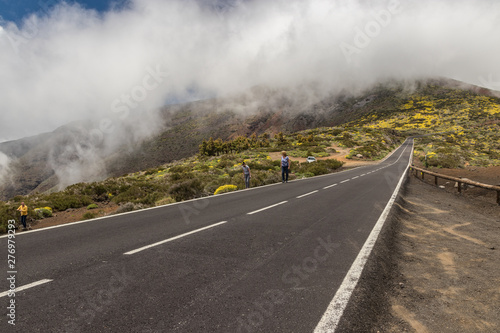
<point>99,190</point>
<point>92,206</point>
<point>154,171</point>
<point>299,153</point>
<point>188,189</point>
<point>61,201</point>
<point>165,201</point>
<point>128,207</point>
<point>337,131</point>
<point>150,199</point>
<point>212,186</point>
<point>202,167</point>
<point>224,163</point>
<point>179,169</point>
<point>44,212</point>
<point>307,174</point>
<point>259,165</point>
<point>143,191</point>
<point>176,176</point>
<point>7,212</point>
<point>320,167</point>
<point>271,178</point>
<point>89,215</point>
<point>443,160</point>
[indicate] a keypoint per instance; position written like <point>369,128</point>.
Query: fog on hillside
<point>116,68</point>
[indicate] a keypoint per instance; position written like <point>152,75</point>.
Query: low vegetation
<point>212,171</point>
<point>457,129</point>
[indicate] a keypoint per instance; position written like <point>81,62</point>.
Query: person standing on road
<point>285,167</point>
<point>246,174</point>
<point>24,213</point>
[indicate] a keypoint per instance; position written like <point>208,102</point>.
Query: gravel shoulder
<point>436,265</point>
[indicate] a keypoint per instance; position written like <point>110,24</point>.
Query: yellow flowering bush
<point>225,189</point>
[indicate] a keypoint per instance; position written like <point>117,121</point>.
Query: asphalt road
<point>269,259</point>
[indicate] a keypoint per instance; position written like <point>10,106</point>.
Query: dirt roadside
<point>435,267</point>
<point>74,215</point>
<point>339,155</point>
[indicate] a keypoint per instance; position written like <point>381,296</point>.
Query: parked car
<point>311,159</point>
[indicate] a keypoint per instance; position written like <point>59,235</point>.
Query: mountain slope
<point>68,155</point>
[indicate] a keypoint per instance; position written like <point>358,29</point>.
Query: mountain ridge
<point>42,162</point>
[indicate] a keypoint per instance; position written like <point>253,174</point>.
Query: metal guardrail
<point>459,181</point>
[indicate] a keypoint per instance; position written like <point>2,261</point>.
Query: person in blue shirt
<point>285,167</point>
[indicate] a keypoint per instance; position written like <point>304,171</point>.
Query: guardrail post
<point>459,182</point>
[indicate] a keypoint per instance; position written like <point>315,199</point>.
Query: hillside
<point>52,161</point>
<point>69,155</point>
<point>457,127</point>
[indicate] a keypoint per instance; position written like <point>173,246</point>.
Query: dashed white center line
<point>345,181</point>
<point>26,286</point>
<point>173,238</point>
<point>355,177</point>
<point>260,210</point>
<point>324,188</point>
<point>363,175</point>
<point>304,195</point>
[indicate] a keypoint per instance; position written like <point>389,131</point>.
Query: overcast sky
<point>64,62</point>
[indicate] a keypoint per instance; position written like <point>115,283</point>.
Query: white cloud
<point>74,63</point>
<point>5,170</point>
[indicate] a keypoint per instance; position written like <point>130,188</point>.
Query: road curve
<point>267,259</point>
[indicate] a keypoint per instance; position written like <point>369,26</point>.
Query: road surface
<point>267,259</point>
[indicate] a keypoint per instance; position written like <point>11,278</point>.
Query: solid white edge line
<point>335,310</point>
<point>173,238</point>
<point>324,188</point>
<point>172,204</point>
<point>260,210</point>
<point>305,195</point>
<point>26,286</point>
<point>185,201</point>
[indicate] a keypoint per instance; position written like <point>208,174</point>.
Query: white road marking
<point>344,181</point>
<point>335,310</point>
<point>355,177</point>
<point>260,210</point>
<point>324,188</point>
<point>363,175</point>
<point>305,195</point>
<point>26,286</point>
<point>173,238</point>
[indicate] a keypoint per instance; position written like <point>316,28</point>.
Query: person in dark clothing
<point>246,174</point>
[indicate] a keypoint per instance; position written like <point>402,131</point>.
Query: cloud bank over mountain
<point>70,63</point>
